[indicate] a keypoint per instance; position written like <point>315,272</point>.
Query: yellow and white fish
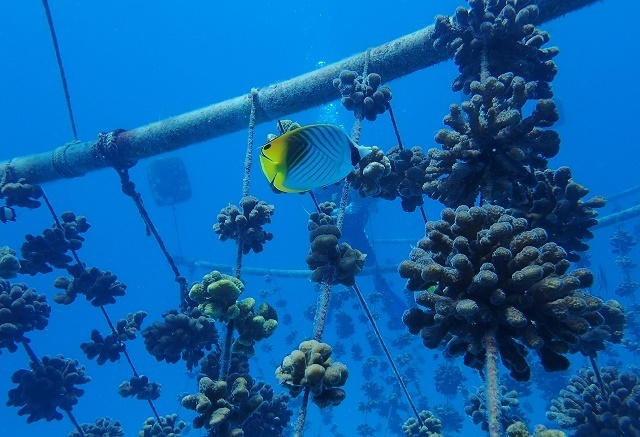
<point>309,157</point>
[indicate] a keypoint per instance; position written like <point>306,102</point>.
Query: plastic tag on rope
<point>169,181</point>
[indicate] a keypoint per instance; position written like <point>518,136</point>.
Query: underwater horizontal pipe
<point>281,273</point>
<point>391,60</point>
<point>618,217</point>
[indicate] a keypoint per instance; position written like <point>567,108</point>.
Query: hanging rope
<point>107,148</point>
<point>63,77</point>
<point>102,308</point>
<point>246,181</point>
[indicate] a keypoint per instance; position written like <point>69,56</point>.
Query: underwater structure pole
<point>391,60</point>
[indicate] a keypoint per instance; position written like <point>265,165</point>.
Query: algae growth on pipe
<point>392,60</point>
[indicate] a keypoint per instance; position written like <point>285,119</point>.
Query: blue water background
<point>132,63</point>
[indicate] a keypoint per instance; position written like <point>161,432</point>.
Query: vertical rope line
<point>63,77</point>
<point>372,321</point>
<point>395,126</point>
<point>596,372</point>
<point>102,308</point>
<point>246,180</point>
<point>492,386</point>
<point>248,158</point>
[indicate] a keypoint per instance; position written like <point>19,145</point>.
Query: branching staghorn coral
<point>583,407</point>
<point>311,366</point>
<point>491,273</point>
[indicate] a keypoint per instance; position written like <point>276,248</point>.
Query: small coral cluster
<point>311,366</point>
<point>556,205</point>
<point>169,426</point>
<point>238,404</point>
<point>103,427</point>
<point>448,379</point>
<point>510,411</point>
<point>9,264</point>
<point>181,336</point>
<point>108,348</point>
<point>253,325</point>
<point>22,310</point>
<point>245,224</point>
<point>100,287</point>
<point>370,178</point>
<point>49,385</point>
<point>41,253</point>
<point>141,388</point>
<point>491,273</point>
<point>363,95</point>
<point>21,194</point>
<point>398,173</point>
<point>583,406</point>
<point>623,242</point>
<point>217,294</point>
<point>430,427</point>
<point>330,260</point>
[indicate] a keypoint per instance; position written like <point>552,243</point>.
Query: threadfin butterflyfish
<point>309,157</point>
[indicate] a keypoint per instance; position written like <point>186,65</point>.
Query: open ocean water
<point>133,63</point>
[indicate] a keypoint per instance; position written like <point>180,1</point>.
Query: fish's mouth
<point>265,156</point>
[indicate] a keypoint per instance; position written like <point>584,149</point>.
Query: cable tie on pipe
<point>107,148</point>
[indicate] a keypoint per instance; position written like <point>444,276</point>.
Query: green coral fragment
<point>216,295</point>
<point>253,326</point>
